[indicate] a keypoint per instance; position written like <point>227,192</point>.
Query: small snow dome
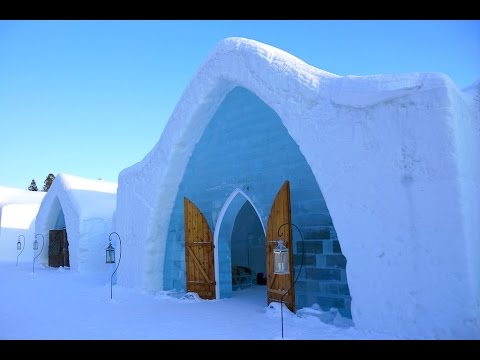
<point>75,219</point>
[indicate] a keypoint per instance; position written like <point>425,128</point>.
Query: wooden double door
<point>200,259</point>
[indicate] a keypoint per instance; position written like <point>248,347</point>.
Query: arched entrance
<point>248,248</point>
<point>247,152</point>
<point>58,246</point>
<point>239,240</point>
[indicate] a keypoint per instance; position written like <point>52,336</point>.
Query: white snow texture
<point>395,156</point>
<point>18,209</point>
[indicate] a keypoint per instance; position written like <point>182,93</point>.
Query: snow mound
<point>191,297</point>
<point>169,295</point>
<point>273,310</point>
<point>331,317</point>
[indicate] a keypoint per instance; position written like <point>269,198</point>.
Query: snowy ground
<point>64,304</point>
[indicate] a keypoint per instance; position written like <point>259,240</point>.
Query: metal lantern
<point>20,247</point>
<point>110,258</point>
<point>281,260</point>
<point>110,254</point>
<point>35,247</point>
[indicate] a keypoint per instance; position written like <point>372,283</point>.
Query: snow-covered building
<point>18,209</point>
<point>380,173</point>
<point>82,208</point>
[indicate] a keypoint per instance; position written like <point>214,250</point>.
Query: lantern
<point>35,247</point>
<point>20,247</point>
<point>110,258</point>
<point>281,260</point>
<point>110,254</point>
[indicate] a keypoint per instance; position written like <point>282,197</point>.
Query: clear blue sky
<point>91,98</point>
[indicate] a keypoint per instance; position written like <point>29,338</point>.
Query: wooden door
<point>200,270</point>
<point>58,254</point>
<point>278,285</point>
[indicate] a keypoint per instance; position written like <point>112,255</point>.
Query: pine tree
<point>48,182</point>
<point>33,186</point>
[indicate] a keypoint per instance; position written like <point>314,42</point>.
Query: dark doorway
<point>58,254</point>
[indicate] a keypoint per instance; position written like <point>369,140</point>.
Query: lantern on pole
<point>110,257</point>
<point>20,247</point>
<point>282,263</point>
<point>35,248</point>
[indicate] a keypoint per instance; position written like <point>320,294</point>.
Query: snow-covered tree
<point>33,186</point>
<point>48,182</point>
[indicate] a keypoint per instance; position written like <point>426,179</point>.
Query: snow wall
<point>396,158</point>
<point>18,209</point>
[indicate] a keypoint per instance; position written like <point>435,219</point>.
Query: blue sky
<point>91,98</point>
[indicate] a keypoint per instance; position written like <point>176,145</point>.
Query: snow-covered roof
<point>89,198</point>
<point>10,195</point>
<point>276,77</point>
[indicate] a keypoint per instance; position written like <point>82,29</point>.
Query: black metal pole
<point>35,257</point>
<point>119,259</point>
<point>22,247</point>
<point>301,266</point>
